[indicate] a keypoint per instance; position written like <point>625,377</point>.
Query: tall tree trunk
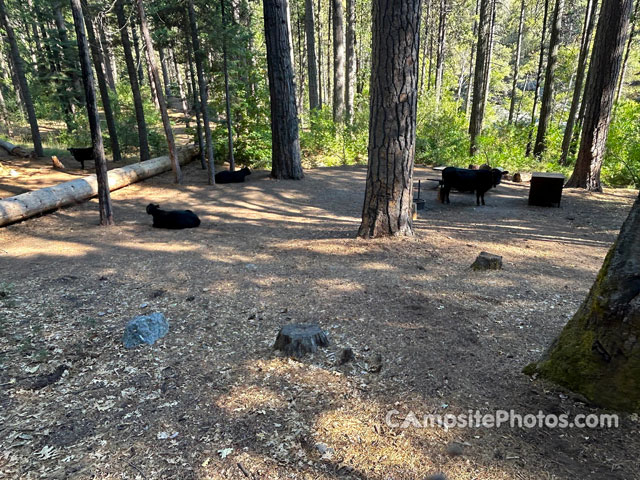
<point>479,88</point>
<point>196,103</point>
<point>442,35</point>
<point>516,64</point>
<point>166,122</point>
<point>487,68</point>
<point>180,80</point>
<point>597,352</point>
<point>204,94</point>
<point>165,72</point>
<point>606,59</point>
<point>312,66</point>
<point>538,77</point>
<point>425,42</point>
<point>546,107</point>
<point>66,93</point>
<point>143,137</point>
<point>318,23</point>
<point>467,102</point>
<point>152,84</point>
<point>136,47</point>
<point>4,114</point>
<point>578,90</point>
<point>338,62</point>
<point>98,62</point>
<point>388,199</point>
<point>111,73</point>
<point>634,19</point>
<point>18,66</point>
<point>34,33</point>
<point>350,81</point>
<point>104,197</point>
<point>285,142</point>
<point>227,94</point>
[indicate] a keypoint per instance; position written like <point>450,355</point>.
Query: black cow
<point>232,177</point>
<point>463,180</point>
<point>173,219</point>
<point>82,154</point>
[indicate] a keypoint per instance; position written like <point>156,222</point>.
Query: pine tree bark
<point>318,21</point>
<point>104,196</point>
<point>165,72</point>
<point>546,107</point>
<point>606,59</point>
<point>180,79</point>
<point>578,90</point>
<point>98,62</point>
<point>479,88</point>
<point>312,63</point>
<point>538,77</point>
<point>516,63</point>
<point>111,73</point>
<point>136,47</point>
<point>597,353</point>
<point>143,136</point>
<point>67,93</point>
<point>227,94</point>
<point>285,141</point>
<point>338,62</point>
<point>166,122</point>
<point>18,66</point>
<point>196,102</point>
<point>388,199</point>
<point>202,88</point>
<point>487,68</point>
<point>152,84</point>
<point>425,42</point>
<point>350,72</point>
<point>442,37</point>
<point>634,19</point>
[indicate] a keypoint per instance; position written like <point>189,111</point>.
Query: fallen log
<point>14,209</point>
<point>14,150</point>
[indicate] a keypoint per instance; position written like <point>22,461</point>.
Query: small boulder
<point>298,339</point>
<point>437,476</point>
<point>455,449</point>
<point>145,329</point>
<point>487,261</point>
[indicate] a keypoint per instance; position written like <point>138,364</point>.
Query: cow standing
<point>463,180</point>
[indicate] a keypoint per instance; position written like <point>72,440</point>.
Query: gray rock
<point>487,261</point>
<point>298,339</point>
<point>145,329</point>
<point>437,476</point>
<point>455,449</point>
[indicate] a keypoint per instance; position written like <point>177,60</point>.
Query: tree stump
<point>487,261</point>
<point>298,339</point>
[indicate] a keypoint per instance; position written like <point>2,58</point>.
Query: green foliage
<point>441,132</point>
<point>622,161</point>
<point>126,125</point>
<point>326,144</point>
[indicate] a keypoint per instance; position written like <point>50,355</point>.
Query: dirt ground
<point>213,400</point>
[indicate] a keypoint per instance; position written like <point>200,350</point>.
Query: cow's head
<point>496,175</point>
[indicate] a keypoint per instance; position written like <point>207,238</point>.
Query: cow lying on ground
<point>232,177</point>
<point>173,219</point>
<point>82,154</point>
<point>463,180</point>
